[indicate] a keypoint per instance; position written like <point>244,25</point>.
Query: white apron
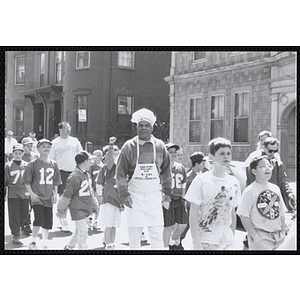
<point>146,195</point>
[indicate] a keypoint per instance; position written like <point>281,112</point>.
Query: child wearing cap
<point>41,179</point>
<point>96,166</point>
<point>110,216</point>
<point>214,195</point>
<point>18,197</point>
<point>262,208</point>
<point>29,155</point>
<point>79,197</point>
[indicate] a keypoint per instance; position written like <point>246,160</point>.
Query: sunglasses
<point>271,151</point>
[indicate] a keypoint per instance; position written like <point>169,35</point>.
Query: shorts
<point>175,214</point>
<point>110,216</point>
<point>43,216</point>
<point>64,176</point>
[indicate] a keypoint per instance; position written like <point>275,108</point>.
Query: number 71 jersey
<point>42,176</point>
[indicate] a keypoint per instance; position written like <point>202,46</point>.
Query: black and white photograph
<point>163,149</point>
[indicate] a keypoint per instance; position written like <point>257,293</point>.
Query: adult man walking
<point>143,177</point>
<point>63,151</point>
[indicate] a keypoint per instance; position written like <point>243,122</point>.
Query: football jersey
<point>13,179</point>
<point>178,180</point>
<point>94,171</point>
<point>42,177</point>
<point>79,191</point>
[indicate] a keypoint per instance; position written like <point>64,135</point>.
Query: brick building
<point>234,95</point>
<point>96,91</point>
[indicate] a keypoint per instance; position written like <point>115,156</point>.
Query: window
<point>124,105</point>
<point>58,67</point>
<point>195,120</point>
<point>82,59</point>
<point>20,69</point>
<point>241,117</point>
<point>81,103</point>
<point>199,55</point>
<point>42,68</point>
<point>19,120</point>
<point>217,116</point>
<point>126,59</point>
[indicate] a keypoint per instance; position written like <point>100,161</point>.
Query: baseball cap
<point>82,156</point>
<point>18,147</point>
<point>197,157</point>
<point>27,140</point>
<point>43,141</point>
<point>171,145</point>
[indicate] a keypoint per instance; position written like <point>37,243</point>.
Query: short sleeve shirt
<point>42,176</point>
<point>178,180</point>
<point>263,205</point>
<point>217,197</point>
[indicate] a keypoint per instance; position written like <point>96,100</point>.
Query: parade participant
<point>179,154</point>
<point>41,179</point>
<point>18,197</point>
<point>96,166</point>
<point>8,145</point>
<point>262,209</point>
<point>110,216</point>
<point>279,176</point>
<point>259,148</point>
<point>143,173</point>
<point>176,214</point>
<point>198,166</point>
<point>64,148</point>
<point>79,197</point>
<point>213,196</point>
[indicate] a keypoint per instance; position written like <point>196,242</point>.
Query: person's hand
<point>54,198</point>
<point>59,214</point>
<point>166,201</point>
<point>122,207</point>
<point>128,201</point>
<point>34,198</point>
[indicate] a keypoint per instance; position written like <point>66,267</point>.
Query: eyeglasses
<point>271,151</point>
<point>266,167</point>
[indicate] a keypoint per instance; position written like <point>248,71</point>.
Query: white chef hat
<point>143,115</point>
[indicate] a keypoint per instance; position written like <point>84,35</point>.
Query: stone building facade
<point>235,95</point>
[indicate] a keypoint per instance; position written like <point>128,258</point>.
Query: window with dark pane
<point>195,120</point>
<point>20,69</point>
<point>199,55</point>
<point>241,117</point>
<point>217,116</point>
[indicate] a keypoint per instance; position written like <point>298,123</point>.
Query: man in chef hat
<point>144,181</point>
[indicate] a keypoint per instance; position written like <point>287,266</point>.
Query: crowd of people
<point>146,178</point>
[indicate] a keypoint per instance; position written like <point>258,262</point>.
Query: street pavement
<point>58,239</point>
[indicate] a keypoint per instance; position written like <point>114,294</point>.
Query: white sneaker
<point>65,228</point>
<point>110,247</point>
<point>143,238</point>
<point>32,246</point>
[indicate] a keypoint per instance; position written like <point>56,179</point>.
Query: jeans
<point>18,210</point>
<point>155,235</point>
<point>80,235</point>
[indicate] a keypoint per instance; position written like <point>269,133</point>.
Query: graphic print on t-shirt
<point>219,209</point>
<point>268,204</point>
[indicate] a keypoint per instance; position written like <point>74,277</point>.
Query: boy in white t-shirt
<point>214,195</point>
<point>262,208</point>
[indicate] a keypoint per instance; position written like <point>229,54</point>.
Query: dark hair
<point>216,143</point>
<point>256,160</point>
<point>271,140</point>
<point>61,124</point>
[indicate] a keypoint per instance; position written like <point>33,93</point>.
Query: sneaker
<point>89,222</point>
<point>143,238</point>
<point>110,247</point>
<point>64,225</point>
<point>27,230</point>
<point>15,240</point>
<point>95,225</point>
<point>67,247</point>
<point>32,246</point>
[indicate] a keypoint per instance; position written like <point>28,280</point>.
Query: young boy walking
<point>262,208</point>
<point>41,179</point>
<point>213,196</point>
<point>79,197</point>
<point>18,197</point>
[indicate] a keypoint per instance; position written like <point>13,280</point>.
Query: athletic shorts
<point>64,176</point>
<point>175,214</point>
<point>43,216</point>
<point>110,216</point>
